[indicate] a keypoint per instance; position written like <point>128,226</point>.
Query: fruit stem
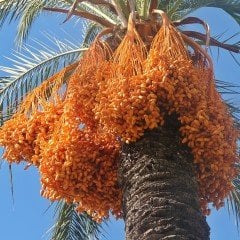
<point>198,48</point>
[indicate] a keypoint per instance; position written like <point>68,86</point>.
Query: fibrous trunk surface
<point>160,192</point>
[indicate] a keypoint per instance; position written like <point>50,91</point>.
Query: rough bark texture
<point>160,199</point>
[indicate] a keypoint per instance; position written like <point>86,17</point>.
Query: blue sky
<point>26,219</point>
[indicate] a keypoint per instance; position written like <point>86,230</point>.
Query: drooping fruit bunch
<point>33,123</point>
<point>168,80</point>
<point>77,161</point>
<point>81,164</point>
<point>72,129</point>
<point>125,104</point>
<point>187,88</point>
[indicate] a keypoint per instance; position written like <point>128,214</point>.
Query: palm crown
<point>101,14</point>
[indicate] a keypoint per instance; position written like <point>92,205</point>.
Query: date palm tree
<point>156,173</point>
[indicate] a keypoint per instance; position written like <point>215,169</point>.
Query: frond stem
<point>212,41</point>
<point>165,19</point>
<point>197,47</point>
<point>104,32</point>
<point>105,3</point>
<point>193,20</point>
<point>120,13</point>
<point>71,10</point>
<point>132,5</point>
<point>153,5</point>
<point>83,14</point>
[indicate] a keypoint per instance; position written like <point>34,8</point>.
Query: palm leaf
<point>143,7</point>
<point>228,90</point>
<point>71,225</point>
<point>31,67</point>
<point>180,8</point>
<point>233,200</point>
<point>11,10</point>
<point>122,11</point>
<point>29,14</point>
<point>100,11</point>
<point>25,11</point>
<point>90,31</point>
<point>232,7</point>
<point>11,182</point>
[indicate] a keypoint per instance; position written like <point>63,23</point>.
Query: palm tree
<point>157,176</point>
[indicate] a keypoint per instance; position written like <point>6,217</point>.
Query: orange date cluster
<point>72,132</point>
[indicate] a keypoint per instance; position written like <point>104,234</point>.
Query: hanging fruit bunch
<point>72,129</point>
<point>187,88</point>
<point>33,122</point>
<point>124,106</point>
<point>81,164</point>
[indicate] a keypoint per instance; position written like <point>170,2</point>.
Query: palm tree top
<point>101,14</point>
<point>106,13</point>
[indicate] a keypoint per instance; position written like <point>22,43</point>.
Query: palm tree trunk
<point>160,193</point>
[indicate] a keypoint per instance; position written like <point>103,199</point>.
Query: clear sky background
<point>27,218</point>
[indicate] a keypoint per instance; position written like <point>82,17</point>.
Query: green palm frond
<point>96,9</point>
<point>227,88</point>
<point>232,7</point>
<point>71,225</point>
<point>143,7</point>
<point>11,182</point>
<point>180,8</point>
<point>100,11</point>
<point>31,67</point>
<point>11,10</point>
<point>122,10</point>
<point>30,13</point>
<point>26,11</point>
<point>229,91</point>
<point>234,111</point>
<point>233,200</point>
<point>90,31</point>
